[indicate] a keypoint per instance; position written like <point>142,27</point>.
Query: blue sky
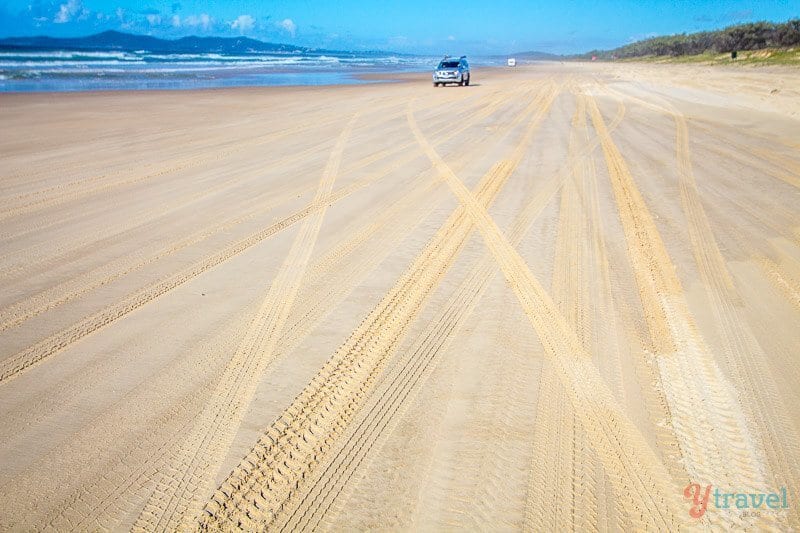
<point>465,26</point>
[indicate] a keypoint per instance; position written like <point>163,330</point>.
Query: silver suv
<point>451,71</point>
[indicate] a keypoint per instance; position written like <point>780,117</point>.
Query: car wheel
<point>466,82</point>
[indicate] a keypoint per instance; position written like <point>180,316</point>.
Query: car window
<point>448,64</point>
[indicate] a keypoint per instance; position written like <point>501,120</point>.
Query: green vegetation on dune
<point>754,43</point>
<point>768,56</point>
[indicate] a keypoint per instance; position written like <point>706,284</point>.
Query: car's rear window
<point>448,64</point>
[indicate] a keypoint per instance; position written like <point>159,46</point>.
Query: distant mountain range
<point>126,42</point>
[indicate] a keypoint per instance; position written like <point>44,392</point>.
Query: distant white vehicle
<point>512,62</point>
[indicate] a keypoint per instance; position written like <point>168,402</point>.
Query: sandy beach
<point>554,299</point>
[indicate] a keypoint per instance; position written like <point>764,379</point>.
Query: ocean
<point>73,70</point>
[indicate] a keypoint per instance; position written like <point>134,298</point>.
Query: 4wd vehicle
<point>451,71</point>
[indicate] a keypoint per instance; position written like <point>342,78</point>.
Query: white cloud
<point>289,26</point>
<point>243,23</point>
<point>202,21</point>
<point>176,21</point>
<point>451,38</point>
<point>153,19</point>
<point>68,10</point>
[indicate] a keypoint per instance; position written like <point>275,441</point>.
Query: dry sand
<point>547,301</point>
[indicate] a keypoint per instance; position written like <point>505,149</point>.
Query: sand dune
<point>551,300</point>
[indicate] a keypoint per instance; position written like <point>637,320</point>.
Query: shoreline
<point>364,79</point>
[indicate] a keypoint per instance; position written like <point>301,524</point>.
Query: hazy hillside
<point>114,40</point>
<point>536,56</point>
<point>751,36</point>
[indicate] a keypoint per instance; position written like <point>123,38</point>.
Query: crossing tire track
<point>150,516</point>
<point>13,365</point>
<point>327,284</point>
<point>257,491</point>
<point>484,112</point>
<point>398,386</point>
<point>637,474</point>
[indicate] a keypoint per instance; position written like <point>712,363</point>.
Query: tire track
<point>400,383</point>
<point>150,172</point>
<point>103,512</point>
<point>328,494</point>
<point>779,160</point>
<point>557,460</point>
<point>745,357</point>
<point>63,194</point>
<point>327,283</point>
<point>567,463</point>
<point>756,159</point>
<point>190,139</point>
<point>158,170</point>
<point>146,522</point>
<point>689,374</point>
<point>580,255</point>
<point>637,474</point>
<point>174,500</point>
<point>487,499</point>
<point>17,313</point>
<point>74,252</point>
<point>43,223</point>
<point>783,282</point>
<point>244,142</point>
<point>256,492</point>
<point>12,366</point>
<point>53,159</point>
<point>151,215</point>
<point>724,191</point>
<point>764,409</point>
